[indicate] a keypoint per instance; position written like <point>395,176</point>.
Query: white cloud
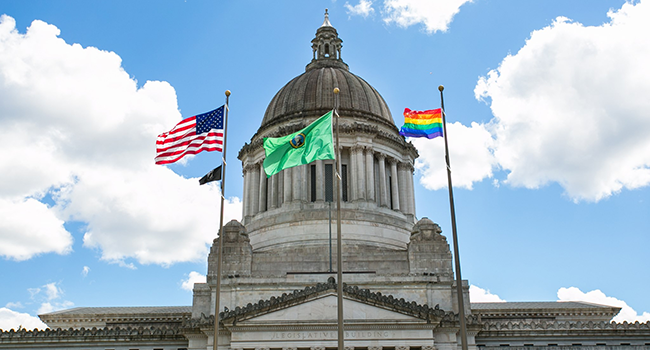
<point>164,221</point>
<point>193,277</point>
<point>435,15</point>
<point>85,271</point>
<point>363,8</point>
<point>52,291</point>
<point>571,106</point>
<point>480,295</point>
<point>470,157</point>
<point>10,319</point>
<point>16,305</point>
<point>48,295</point>
<point>597,297</point>
<point>54,306</point>
<point>79,131</point>
<point>44,235</point>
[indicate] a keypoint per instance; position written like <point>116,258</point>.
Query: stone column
<point>262,200</point>
<point>383,195</point>
<point>402,182</point>
<point>304,184</point>
<point>273,193</point>
<point>409,179</point>
<point>245,174</point>
<point>394,183</point>
<point>370,174</point>
<point>255,189</point>
<point>287,185</point>
<point>352,180</point>
<point>296,183</point>
<point>320,181</point>
<point>361,176</point>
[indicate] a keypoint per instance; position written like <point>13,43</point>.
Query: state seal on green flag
<point>312,143</point>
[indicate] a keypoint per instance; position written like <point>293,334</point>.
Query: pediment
<point>318,303</point>
<point>324,309</point>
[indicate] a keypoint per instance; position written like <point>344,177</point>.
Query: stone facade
<point>278,289</point>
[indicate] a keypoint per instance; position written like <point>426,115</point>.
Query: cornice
<point>92,335</point>
<point>542,327</point>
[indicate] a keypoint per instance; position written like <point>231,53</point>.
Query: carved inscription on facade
<point>331,335</point>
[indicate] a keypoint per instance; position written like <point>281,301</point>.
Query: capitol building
<point>278,286</point>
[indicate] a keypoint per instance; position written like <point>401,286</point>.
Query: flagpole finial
<point>336,90</point>
<point>227,92</point>
<point>440,88</point>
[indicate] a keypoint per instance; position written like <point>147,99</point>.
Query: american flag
<point>203,132</point>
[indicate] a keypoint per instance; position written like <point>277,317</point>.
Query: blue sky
<point>546,100</point>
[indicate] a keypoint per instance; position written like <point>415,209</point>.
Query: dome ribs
<point>310,95</point>
<point>310,92</point>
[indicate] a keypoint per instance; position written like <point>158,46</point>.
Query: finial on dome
<point>326,47</point>
<point>326,22</point>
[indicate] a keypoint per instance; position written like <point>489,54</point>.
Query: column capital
<point>392,161</point>
<point>404,166</point>
<point>250,167</point>
<point>357,148</point>
<point>381,156</point>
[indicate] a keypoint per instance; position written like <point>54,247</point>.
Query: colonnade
<point>372,176</point>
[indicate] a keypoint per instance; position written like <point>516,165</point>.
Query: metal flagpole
<point>215,342</point>
<point>459,281</point>
<point>329,205</point>
<point>339,263</point>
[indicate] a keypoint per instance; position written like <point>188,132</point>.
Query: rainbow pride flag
<point>422,123</point>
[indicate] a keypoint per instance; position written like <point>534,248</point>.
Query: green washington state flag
<point>303,147</point>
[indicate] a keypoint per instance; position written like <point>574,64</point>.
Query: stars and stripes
<point>203,132</point>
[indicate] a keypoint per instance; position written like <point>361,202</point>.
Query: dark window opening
<point>266,198</point>
<point>329,183</point>
<point>344,182</point>
<point>390,192</point>
<point>312,176</point>
<point>330,177</point>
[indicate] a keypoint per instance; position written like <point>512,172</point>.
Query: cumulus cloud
<point>10,319</point>
<point>193,277</point>
<point>470,157</point>
<point>435,15</point>
<point>44,235</point>
<point>480,295</point>
<point>85,271</point>
<point>571,106</point>
<point>363,8</point>
<point>597,297</point>
<point>80,132</point>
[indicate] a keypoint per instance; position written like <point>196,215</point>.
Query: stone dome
<point>311,93</point>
